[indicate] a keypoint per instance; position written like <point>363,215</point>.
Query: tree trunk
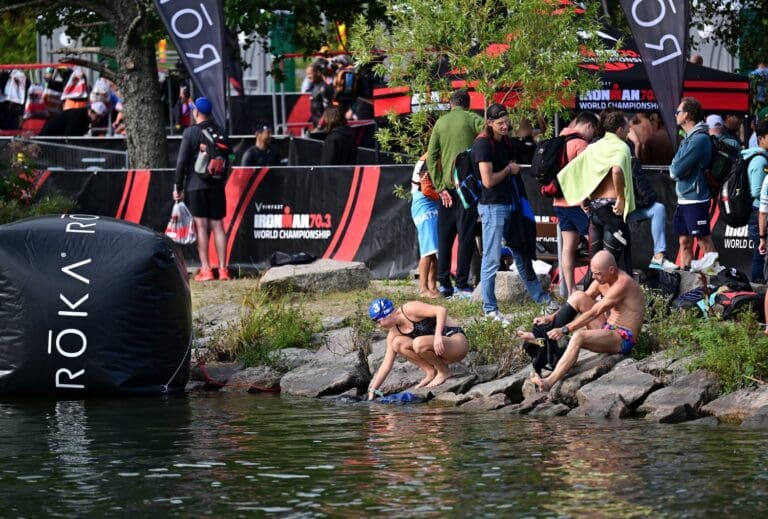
<point>138,82</point>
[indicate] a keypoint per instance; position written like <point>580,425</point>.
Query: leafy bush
<point>736,352</point>
<point>499,345</point>
<point>18,194</point>
<point>267,324</point>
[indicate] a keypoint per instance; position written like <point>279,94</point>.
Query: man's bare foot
<point>541,383</point>
<point>426,380</point>
<point>525,335</point>
<point>439,379</point>
<point>432,294</point>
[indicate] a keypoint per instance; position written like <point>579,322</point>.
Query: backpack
<point>214,157</point>
<point>466,180</point>
<point>549,157</point>
<point>732,278</point>
<point>724,157</point>
<point>346,83</point>
<point>732,302</point>
<point>735,197</point>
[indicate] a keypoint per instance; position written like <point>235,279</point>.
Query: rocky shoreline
<point>658,388</point>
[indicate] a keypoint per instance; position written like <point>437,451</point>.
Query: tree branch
<point>106,51</point>
<point>134,23</point>
<point>101,69</point>
<point>31,3</point>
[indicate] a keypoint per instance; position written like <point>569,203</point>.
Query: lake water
<point>233,455</point>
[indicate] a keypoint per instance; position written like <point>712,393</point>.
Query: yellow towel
<point>580,177</point>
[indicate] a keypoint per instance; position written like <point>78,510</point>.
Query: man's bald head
<point>603,260</point>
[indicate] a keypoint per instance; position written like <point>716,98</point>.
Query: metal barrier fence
<point>60,156</point>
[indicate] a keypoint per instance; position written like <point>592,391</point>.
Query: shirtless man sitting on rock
<point>610,314</point>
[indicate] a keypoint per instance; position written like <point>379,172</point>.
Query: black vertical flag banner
<point>197,30</point>
<point>660,29</point>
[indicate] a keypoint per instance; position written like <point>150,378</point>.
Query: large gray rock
<point>689,281</point>
<point>682,400</point>
<point>487,403</point>
<point>611,406</point>
<point>291,358</point>
<point>510,288</point>
<point>667,365</point>
<point>323,275</point>
<point>511,386</point>
<point>550,409</point>
<point>589,367</point>
<point>456,384</point>
<point>631,386</point>
<point>336,367</point>
<point>404,375</point>
<point>737,406</point>
<point>759,420</point>
<point>220,372</point>
<point>376,355</point>
<point>253,380</point>
<point>451,398</point>
<point>528,405</point>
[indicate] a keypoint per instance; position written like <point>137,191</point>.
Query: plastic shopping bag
<point>181,226</point>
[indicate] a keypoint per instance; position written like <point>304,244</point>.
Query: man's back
<point>453,133</point>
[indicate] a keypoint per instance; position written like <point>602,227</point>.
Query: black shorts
<point>207,203</point>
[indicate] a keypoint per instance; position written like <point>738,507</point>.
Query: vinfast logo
<point>68,341</point>
<point>287,225</point>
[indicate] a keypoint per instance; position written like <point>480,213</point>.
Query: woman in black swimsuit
<point>423,334</point>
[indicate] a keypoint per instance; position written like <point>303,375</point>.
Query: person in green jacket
<point>453,133</point>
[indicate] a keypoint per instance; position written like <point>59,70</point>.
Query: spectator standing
<point>691,219</point>
<point>493,157</point>
<point>206,200</point>
<point>182,109</point>
<point>321,93</point>
<point>261,153</point>
<point>572,220</point>
<point>717,129</point>
<point>424,202</point>
<point>600,180</point>
<point>757,175</point>
<point>453,133</point>
<point>340,147</point>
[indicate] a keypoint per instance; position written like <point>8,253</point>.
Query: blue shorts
<point>627,339</point>
<point>424,214</point>
<point>572,219</point>
<point>691,219</point>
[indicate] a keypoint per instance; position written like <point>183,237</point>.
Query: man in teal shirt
<point>453,133</point>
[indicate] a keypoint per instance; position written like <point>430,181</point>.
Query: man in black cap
<point>205,198</point>
<point>261,153</point>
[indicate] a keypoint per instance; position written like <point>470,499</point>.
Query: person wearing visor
<point>423,334</point>
<point>504,212</point>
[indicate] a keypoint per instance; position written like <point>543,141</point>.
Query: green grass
<point>268,323</point>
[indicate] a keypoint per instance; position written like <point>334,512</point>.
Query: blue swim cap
<point>380,308</point>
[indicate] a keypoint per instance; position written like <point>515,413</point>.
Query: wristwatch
<point>565,330</point>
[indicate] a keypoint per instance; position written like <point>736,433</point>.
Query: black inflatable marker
<point>91,305</point>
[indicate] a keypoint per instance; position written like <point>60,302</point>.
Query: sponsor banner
<point>344,213</point>
<point>197,30</point>
<point>660,29</point>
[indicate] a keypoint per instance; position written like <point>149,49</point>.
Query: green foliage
<point>516,48</point>
<point>363,328</point>
<point>267,324</point>
<point>736,352</point>
<point>18,38</point>
<point>499,345</point>
<point>18,195</point>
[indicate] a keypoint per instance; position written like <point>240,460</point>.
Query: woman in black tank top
<point>423,334</point>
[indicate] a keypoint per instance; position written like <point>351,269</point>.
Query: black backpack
<point>548,159</point>
<point>735,197</point>
<point>465,178</point>
<point>346,83</point>
<point>724,157</point>
<point>214,156</point>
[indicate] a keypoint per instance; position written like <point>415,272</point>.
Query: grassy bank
<point>735,351</point>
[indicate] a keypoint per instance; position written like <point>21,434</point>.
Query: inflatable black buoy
<point>91,306</point>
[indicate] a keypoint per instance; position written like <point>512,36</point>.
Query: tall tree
<point>527,50</point>
<point>137,28</point>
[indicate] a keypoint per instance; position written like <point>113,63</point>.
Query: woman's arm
<point>384,369</point>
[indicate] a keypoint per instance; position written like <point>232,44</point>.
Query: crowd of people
<point>62,103</point>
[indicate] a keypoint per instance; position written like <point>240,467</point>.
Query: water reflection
<point>241,455</point>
